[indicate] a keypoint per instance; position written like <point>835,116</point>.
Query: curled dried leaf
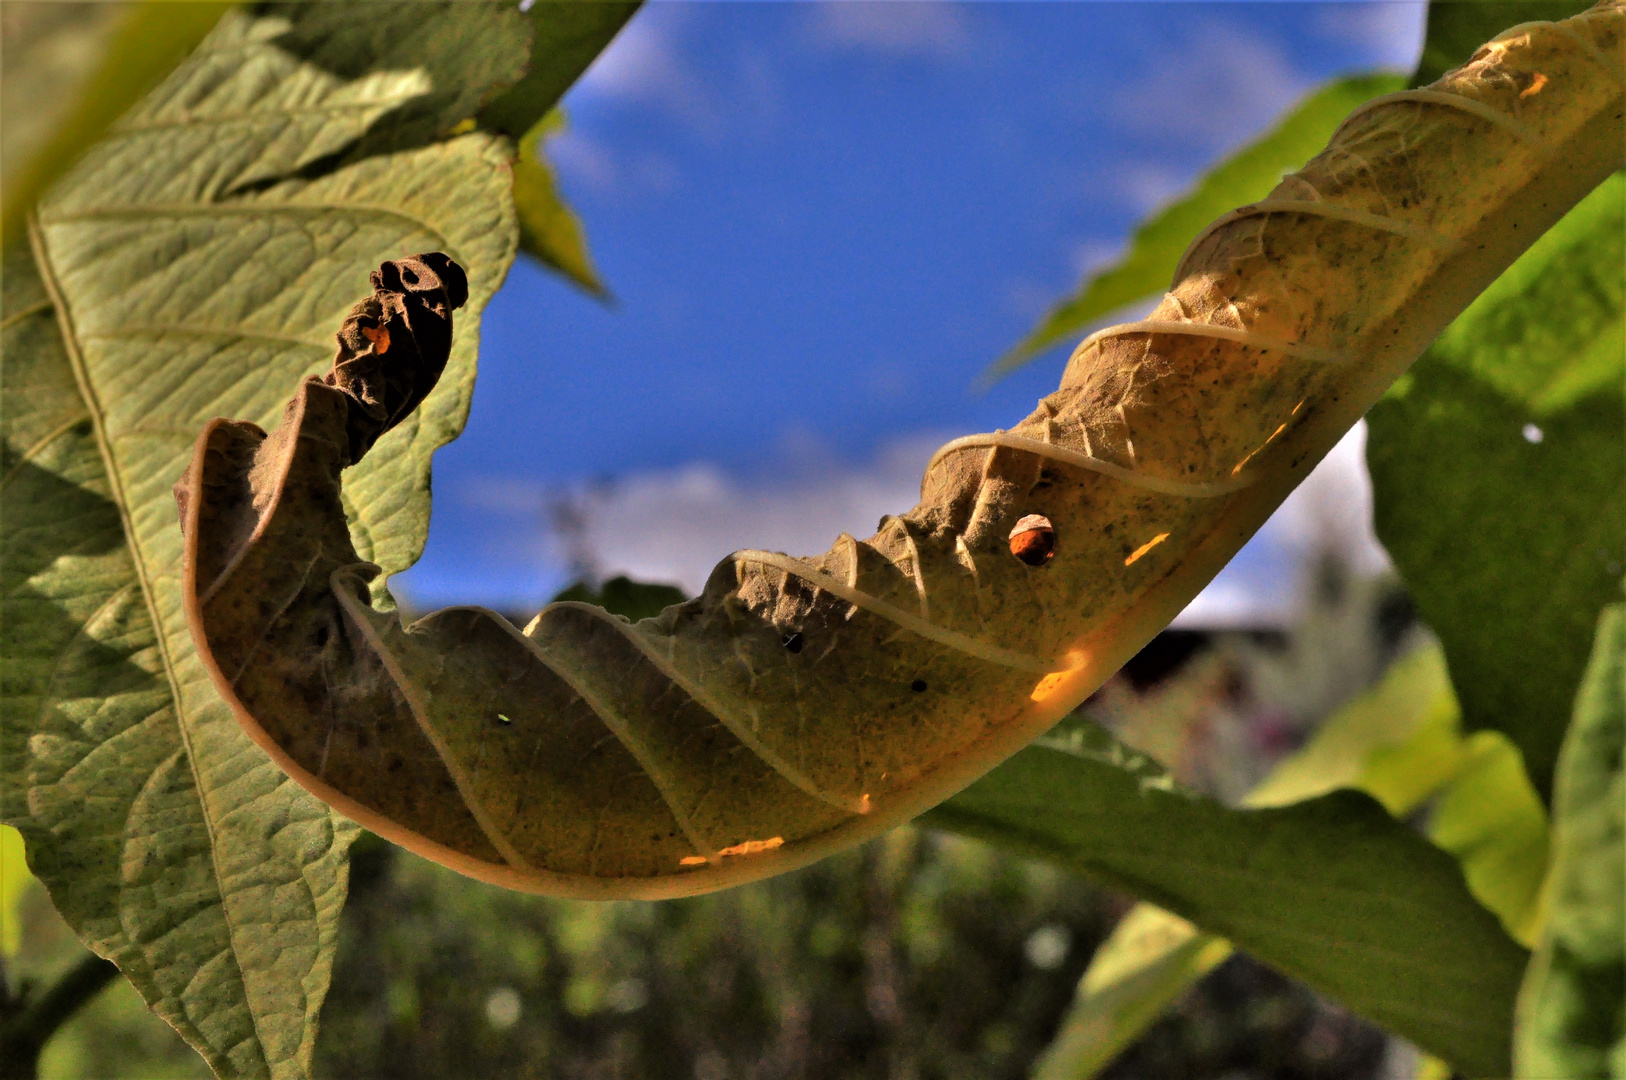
<point>801,705</point>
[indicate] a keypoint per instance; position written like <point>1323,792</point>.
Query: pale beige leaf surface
<point>800,705</point>
<point>195,260</point>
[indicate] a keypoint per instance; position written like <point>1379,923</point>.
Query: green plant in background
<point>172,847</point>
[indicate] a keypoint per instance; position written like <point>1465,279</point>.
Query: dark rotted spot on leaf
<point>395,763</point>
<point>1033,540</point>
<point>321,637</point>
<point>82,429</point>
<point>918,686</point>
<point>793,641</point>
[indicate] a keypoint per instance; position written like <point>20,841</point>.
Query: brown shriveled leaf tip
<point>408,318</point>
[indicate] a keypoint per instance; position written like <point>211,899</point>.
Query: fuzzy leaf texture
<point>1572,1009</point>
<point>801,705</point>
<point>195,261</point>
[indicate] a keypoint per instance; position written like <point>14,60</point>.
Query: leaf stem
<point>27,1022</point>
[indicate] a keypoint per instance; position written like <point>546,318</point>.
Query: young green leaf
<point>1151,959</point>
<point>1572,1007</point>
<point>549,230</point>
<point>194,260</point>
<point>1148,266</point>
<point>1499,480</point>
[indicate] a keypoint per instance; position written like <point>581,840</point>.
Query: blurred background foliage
<point>919,955</point>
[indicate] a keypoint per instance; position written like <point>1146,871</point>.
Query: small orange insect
<point>1033,540</point>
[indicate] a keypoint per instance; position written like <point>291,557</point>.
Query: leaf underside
<point>194,262</point>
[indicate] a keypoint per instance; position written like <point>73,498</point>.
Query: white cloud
<point>645,65</point>
<point>933,30</point>
<point>1387,35</point>
<point>1214,97</point>
<point>673,526</point>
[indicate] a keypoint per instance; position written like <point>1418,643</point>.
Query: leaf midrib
<point>87,394</point>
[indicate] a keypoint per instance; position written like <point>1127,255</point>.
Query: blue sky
<point>820,223</point>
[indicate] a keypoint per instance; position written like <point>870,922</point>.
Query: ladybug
<point>1033,540</point>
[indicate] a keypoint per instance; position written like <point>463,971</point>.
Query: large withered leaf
<point>800,705</point>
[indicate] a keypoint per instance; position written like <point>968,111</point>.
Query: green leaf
<point>1457,27</point>
<point>1572,1008</point>
<point>195,263</point>
<point>549,229</point>
<point>1155,249</point>
<point>1491,819</point>
<point>1334,890</point>
<point>144,44</point>
<point>630,599</point>
<point>14,880</point>
<point>1151,959</point>
<point>1398,742</point>
<point>1500,477</point>
<point>566,37</point>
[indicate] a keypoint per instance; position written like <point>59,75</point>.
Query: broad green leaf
<point>1147,268</point>
<point>195,263</point>
<point>566,37</point>
<point>1333,890</point>
<point>1572,1008</point>
<point>1457,27</point>
<point>1397,742</point>
<point>1151,959</point>
<point>548,229</point>
<point>1500,477</point>
<point>130,48</point>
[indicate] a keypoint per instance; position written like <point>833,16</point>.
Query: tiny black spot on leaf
<point>918,686</point>
<point>793,641</point>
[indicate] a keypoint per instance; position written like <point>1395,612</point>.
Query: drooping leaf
<point>1572,1008</point>
<point>1333,890</point>
<point>1398,742</point>
<point>193,261</point>
<point>549,230</point>
<point>146,40</point>
<point>801,705</point>
<point>1500,478</point>
<point>1147,268</point>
